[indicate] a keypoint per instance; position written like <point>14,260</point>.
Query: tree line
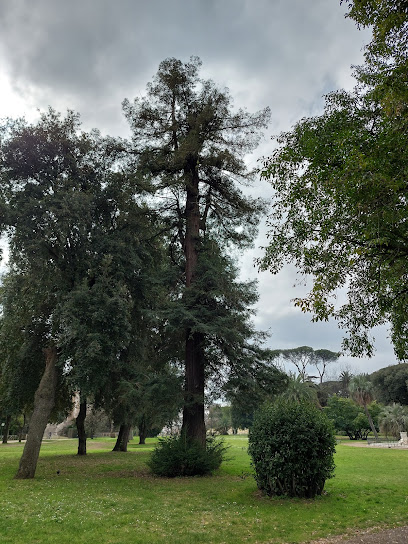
<point>357,404</point>
<point>120,283</point>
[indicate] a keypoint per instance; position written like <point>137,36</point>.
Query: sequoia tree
<point>190,145</point>
<point>340,180</point>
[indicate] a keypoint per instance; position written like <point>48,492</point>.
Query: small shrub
<point>178,456</point>
<point>292,446</point>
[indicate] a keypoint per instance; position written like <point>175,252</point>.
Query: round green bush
<point>292,446</point>
<point>178,456</point>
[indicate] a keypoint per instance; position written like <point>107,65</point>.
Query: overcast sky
<point>88,55</point>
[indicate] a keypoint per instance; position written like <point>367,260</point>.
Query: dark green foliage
<point>247,391</point>
<point>391,384</point>
<point>340,179</point>
<point>348,417</point>
<point>292,446</point>
<point>179,456</point>
<point>300,390</point>
<point>190,147</point>
<point>329,388</point>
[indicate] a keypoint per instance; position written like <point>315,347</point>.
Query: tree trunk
<point>116,447</point>
<point>6,429</point>
<point>80,425</point>
<point>142,431</point>
<point>22,428</point>
<point>193,411</point>
<point>370,421</point>
<point>125,438</point>
<point>44,400</point>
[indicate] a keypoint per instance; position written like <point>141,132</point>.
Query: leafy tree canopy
<point>307,359</point>
<point>391,384</point>
<point>348,417</point>
<point>340,179</point>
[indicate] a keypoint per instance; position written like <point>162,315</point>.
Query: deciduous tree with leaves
<point>340,180</point>
<point>77,263</point>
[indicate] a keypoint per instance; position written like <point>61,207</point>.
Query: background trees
<point>190,147</point>
<point>307,360</point>
<point>391,384</point>
<point>247,392</point>
<point>348,417</point>
<point>81,270</point>
<point>361,389</point>
<point>339,210</point>
<point>394,419</point>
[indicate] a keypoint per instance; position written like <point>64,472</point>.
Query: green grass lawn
<point>109,497</point>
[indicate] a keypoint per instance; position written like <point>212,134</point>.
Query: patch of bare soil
<point>398,535</point>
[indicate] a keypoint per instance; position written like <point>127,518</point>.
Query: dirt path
<point>398,535</point>
<point>365,445</point>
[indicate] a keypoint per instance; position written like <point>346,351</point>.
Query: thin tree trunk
<point>370,421</point>
<point>80,425</point>
<point>44,401</point>
<point>142,431</point>
<point>6,429</point>
<point>21,430</point>
<point>116,447</point>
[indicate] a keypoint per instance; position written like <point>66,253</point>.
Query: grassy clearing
<point>110,497</point>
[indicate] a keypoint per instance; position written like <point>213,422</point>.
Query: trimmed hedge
<point>292,446</point>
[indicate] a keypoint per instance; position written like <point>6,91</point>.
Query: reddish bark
<point>193,412</point>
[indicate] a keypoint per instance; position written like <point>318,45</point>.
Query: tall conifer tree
<point>190,146</point>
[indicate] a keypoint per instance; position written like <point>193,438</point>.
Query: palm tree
<point>300,390</point>
<point>361,390</point>
<point>394,419</point>
<point>345,379</point>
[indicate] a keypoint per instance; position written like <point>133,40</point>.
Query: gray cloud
<point>88,55</point>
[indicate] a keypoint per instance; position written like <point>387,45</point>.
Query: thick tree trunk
<point>370,421</point>
<point>6,429</point>
<point>80,425</point>
<point>125,438</point>
<point>116,447</point>
<point>193,411</point>
<point>44,400</point>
